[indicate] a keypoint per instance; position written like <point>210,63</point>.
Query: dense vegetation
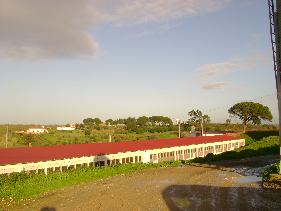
<point>264,146</point>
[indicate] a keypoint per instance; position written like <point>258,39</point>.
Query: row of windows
<point>124,160</point>
<point>194,150</point>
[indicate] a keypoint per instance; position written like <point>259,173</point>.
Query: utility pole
<point>278,53</point>
<point>179,129</point>
<point>109,138</point>
<point>7,130</point>
<point>275,32</point>
<point>202,129</point>
<point>178,121</point>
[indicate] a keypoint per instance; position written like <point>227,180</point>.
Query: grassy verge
<point>19,186</point>
<point>265,146</point>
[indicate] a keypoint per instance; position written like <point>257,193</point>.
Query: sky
<point>63,61</point>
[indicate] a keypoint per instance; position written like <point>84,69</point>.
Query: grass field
<point>55,137</point>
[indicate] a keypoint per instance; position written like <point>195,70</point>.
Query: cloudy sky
<point>62,61</point>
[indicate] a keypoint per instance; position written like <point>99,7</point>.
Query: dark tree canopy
<point>250,112</point>
<point>131,123</point>
<point>91,121</point>
<point>109,121</point>
<point>160,120</point>
<point>142,121</point>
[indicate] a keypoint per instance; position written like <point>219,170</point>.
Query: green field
<point>55,137</point>
<point>101,134</point>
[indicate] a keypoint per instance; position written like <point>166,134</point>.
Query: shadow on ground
<point>202,197</point>
<point>48,209</point>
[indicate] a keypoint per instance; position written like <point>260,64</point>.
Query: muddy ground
<point>220,186</point>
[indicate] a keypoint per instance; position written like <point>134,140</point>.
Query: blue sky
<point>99,59</point>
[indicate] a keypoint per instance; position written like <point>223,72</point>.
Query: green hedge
<point>266,146</point>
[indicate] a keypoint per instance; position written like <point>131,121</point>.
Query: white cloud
<point>46,29</point>
<point>208,72</point>
<point>155,11</point>
<point>35,29</point>
<point>214,85</point>
<point>233,65</point>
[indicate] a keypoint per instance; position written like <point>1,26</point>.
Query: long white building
<point>53,158</point>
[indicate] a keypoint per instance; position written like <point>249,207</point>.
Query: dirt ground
<point>196,187</point>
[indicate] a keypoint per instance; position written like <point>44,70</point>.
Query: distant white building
<point>213,134</point>
<point>64,128</point>
<point>198,133</point>
<point>37,130</point>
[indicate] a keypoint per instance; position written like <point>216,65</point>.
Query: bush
<point>266,146</point>
<point>87,132</point>
<point>273,169</point>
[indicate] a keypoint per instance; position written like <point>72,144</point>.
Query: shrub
<point>273,169</point>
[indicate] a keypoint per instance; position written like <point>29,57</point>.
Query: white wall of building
<point>153,156</point>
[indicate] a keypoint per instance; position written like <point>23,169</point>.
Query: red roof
<point>44,153</point>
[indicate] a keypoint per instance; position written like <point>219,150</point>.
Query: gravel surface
<point>195,187</point>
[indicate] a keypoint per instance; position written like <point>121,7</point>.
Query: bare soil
<point>197,187</point>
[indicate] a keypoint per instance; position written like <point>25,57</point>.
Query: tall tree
<point>198,118</point>
<point>97,121</point>
<point>109,121</point>
<point>250,112</point>
<point>131,123</point>
<point>91,121</point>
<point>142,121</point>
<point>228,121</point>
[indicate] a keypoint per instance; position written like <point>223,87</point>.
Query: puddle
<point>248,179</point>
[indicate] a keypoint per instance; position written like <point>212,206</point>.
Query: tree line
<point>247,112</point>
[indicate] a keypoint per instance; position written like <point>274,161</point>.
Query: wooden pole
<point>7,130</point>
<point>179,128</point>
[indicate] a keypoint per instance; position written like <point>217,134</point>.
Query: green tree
<point>142,121</point>
<point>131,123</point>
<point>91,121</point>
<point>198,118</point>
<point>160,120</point>
<point>250,112</point>
<point>109,121</point>
<point>28,139</point>
<point>88,121</point>
<point>97,121</point>
<point>228,121</point>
